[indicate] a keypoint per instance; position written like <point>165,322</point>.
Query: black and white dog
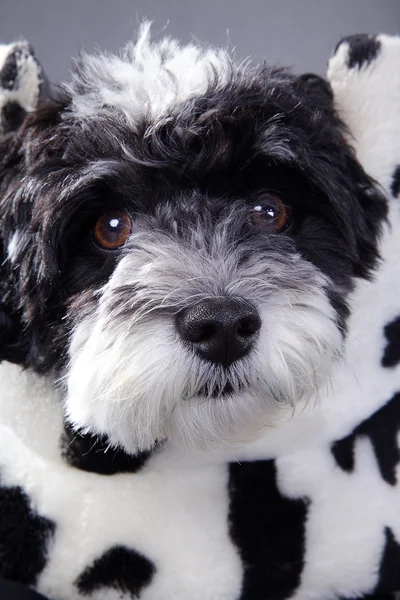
<point>180,236</point>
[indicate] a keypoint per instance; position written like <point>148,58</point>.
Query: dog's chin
<point>223,419</point>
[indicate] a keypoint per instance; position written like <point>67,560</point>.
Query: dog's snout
<point>220,330</point>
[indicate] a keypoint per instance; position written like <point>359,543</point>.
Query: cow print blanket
<point>310,511</point>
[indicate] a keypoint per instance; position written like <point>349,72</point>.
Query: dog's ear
<point>24,263</point>
<point>317,93</point>
<point>23,87</point>
<point>316,89</point>
<point>11,347</point>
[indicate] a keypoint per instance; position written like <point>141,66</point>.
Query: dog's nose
<point>220,330</point>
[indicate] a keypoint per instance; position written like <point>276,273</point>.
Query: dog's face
<point>179,237</point>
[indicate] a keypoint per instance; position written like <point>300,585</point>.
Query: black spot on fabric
<point>395,187</point>
<point>343,451</point>
<point>363,49</point>
<point>268,529</point>
<point>12,116</point>
<point>379,597</point>
<point>372,597</point>
<point>391,355</point>
<point>389,572</point>
<point>24,537</point>
<point>120,568</point>
<point>14,591</point>
<point>9,72</point>
<point>90,453</point>
<point>381,428</point>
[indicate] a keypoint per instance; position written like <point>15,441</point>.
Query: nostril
<point>202,333</point>
<point>248,326</point>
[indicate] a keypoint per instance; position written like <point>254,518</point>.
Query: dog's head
<point>179,235</point>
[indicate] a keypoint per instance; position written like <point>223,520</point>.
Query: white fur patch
<point>147,79</point>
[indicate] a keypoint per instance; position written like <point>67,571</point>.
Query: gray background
<point>300,33</point>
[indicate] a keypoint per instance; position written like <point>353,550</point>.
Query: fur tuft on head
<point>147,79</point>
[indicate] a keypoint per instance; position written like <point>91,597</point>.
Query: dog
<point>180,237</point>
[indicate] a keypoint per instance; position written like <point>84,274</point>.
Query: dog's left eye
<point>112,229</point>
<point>270,212</point>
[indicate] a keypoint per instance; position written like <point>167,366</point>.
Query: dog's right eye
<point>270,213</point>
<point>112,229</point>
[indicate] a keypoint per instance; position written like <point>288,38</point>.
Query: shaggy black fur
<point>263,131</point>
<point>93,454</point>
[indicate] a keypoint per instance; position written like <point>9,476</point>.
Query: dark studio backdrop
<point>300,33</point>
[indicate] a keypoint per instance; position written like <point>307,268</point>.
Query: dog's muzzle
<point>220,330</point>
